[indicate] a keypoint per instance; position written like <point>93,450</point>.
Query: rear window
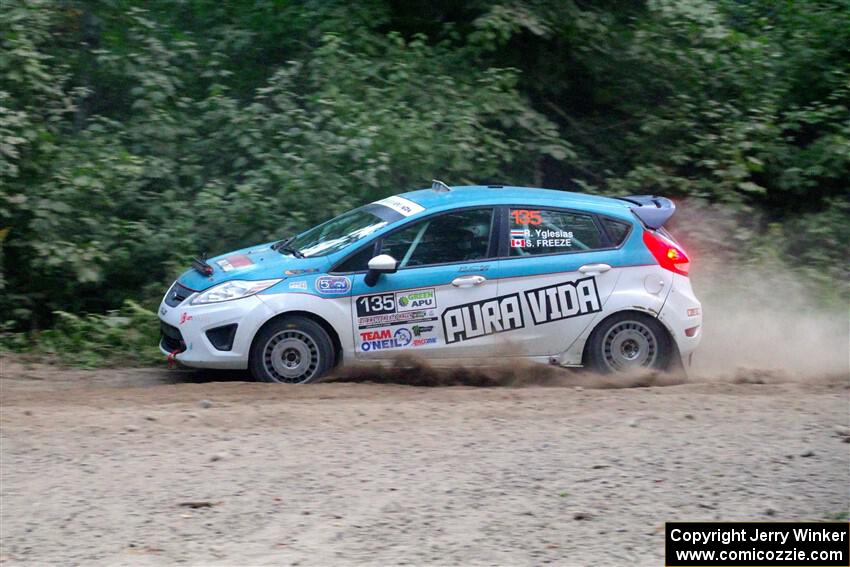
<point>617,230</point>
<point>542,231</point>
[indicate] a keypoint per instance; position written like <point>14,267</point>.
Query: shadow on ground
<point>204,376</point>
<point>409,370</point>
<point>414,371</point>
<point>510,373</point>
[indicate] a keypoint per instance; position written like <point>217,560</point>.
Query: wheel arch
<point>643,312</point>
<point>329,329</point>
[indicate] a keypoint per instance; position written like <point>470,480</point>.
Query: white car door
<point>436,303</point>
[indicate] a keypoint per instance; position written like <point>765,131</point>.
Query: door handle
<point>468,281</point>
<point>594,268</point>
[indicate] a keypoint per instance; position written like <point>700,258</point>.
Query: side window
<point>541,231</point>
<point>617,230</point>
<point>461,236</point>
<point>359,262</point>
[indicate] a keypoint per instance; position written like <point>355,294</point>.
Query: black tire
<point>628,341</point>
<point>291,350</point>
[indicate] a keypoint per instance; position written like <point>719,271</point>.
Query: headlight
<point>235,289</point>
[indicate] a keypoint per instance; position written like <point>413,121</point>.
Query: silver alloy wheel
<point>291,357</point>
<point>629,345</point>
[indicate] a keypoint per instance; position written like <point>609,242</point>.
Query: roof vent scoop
<point>654,211</point>
<point>439,186</point>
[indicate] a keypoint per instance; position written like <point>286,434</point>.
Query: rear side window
<point>617,230</point>
<point>541,231</point>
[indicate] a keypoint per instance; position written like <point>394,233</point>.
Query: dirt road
<point>151,467</point>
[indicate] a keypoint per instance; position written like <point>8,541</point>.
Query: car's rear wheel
<point>291,350</point>
<point>626,342</point>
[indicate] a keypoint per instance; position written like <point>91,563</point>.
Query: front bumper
<point>185,331</point>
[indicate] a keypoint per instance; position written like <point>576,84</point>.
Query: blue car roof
<point>469,195</point>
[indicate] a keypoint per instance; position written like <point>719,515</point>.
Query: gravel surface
<point>150,467</point>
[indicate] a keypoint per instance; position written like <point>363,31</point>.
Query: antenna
<point>439,186</point>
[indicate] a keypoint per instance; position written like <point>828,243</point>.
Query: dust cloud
<point>769,325</point>
<point>764,320</point>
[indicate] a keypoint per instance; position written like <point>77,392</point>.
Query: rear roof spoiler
<point>654,211</point>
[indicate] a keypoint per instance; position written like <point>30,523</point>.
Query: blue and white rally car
<point>455,274</point>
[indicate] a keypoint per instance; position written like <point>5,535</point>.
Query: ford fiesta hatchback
<point>454,274</point>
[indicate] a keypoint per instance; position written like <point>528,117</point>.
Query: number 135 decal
<point>523,216</point>
<point>375,304</point>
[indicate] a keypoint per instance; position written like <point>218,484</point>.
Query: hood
<point>254,263</point>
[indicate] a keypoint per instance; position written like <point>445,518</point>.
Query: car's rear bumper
<point>682,315</point>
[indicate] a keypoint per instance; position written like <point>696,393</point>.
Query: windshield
<point>342,231</point>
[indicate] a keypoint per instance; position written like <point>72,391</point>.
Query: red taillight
<point>669,256</point>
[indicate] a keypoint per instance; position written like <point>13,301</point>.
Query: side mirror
<point>383,264</point>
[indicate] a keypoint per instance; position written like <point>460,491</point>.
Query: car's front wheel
<point>626,342</point>
<point>291,350</point>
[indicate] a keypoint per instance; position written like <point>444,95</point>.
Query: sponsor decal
<point>403,336</point>
<point>396,318</point>
<point>163,311</point>
<point>333,285</point>
<point>300,271</point>
<point>523,216</point>
<point>419,338</point>
<point>563,301</point>
<point>383,339</point>
<point>234,261</point>
<point>419,330</point>
<point>396,307</point>
<point>420,299</point>
<point>184,317</point>
<point>483,268</point>
<point>693,312</point>
<point>481,318</point>
<point>401,205</point>
<point>300,284</point>
<point>504,313</point>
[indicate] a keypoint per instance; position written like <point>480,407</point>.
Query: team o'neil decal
<point>504,313</point>
<point>382,339</point>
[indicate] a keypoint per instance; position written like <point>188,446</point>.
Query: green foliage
<point>129,335</point>
<point>177,164</point>
<point>132,139</point>
<point>741,104</point>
